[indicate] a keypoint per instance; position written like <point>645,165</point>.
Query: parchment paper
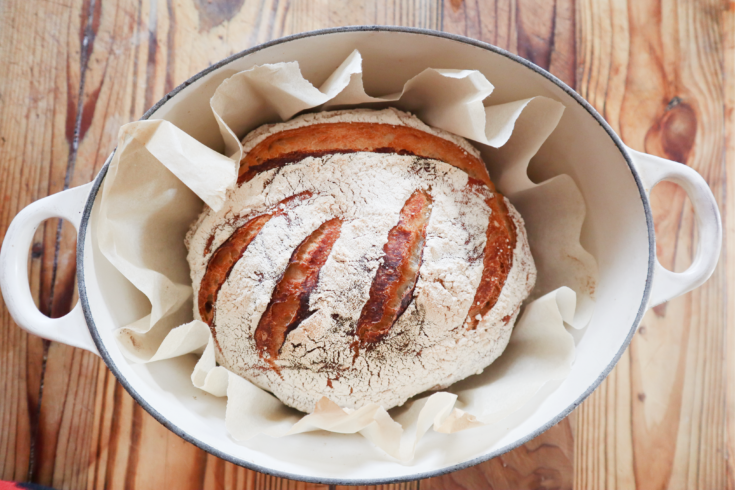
<point>160,176</point>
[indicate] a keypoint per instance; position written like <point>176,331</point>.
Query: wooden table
<point>662,74</point>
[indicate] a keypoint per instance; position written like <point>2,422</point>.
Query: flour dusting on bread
<point>429,345</point>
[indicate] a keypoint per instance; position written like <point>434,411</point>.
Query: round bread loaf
<point>363,256</point>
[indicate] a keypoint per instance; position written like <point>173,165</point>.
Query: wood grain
<point>727,31</point>
<point>657,421</point>
<point>37,103</point>
<point>545,462</point>
<point>661,72</point>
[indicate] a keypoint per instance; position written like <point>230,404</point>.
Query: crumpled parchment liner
<point>159,177</point>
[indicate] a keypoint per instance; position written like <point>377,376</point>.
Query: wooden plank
<point>728,48</point>
<point>62,444</point>
<point>655,72</point>
<point>603,445</point>
<point>493,21</point>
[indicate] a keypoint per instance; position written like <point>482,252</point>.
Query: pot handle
<point>70,329</point>
<point>667,284</point>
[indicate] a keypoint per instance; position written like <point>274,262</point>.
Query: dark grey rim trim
<point>375,481</point>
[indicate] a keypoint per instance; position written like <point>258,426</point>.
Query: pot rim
<point>370,481</point>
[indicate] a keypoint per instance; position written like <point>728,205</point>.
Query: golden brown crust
<point>497,258</point>
<point>289,304</point>
<point>227,255</point>
<point>294,145</point>
<point>392,287</point>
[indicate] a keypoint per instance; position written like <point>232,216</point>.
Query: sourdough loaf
<point>363,256</point>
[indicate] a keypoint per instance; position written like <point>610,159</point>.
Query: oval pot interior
<point>617,231</point>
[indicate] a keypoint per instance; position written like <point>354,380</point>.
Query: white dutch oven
<point>614,180</point>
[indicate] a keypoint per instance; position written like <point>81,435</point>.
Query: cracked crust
<point>461,269</point>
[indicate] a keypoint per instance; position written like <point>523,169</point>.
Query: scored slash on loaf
<point>363,256</point>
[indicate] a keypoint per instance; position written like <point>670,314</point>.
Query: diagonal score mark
<point>289,304</point>
<point>392,288</point>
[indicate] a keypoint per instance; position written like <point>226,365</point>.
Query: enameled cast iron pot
<point>614,180</point>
